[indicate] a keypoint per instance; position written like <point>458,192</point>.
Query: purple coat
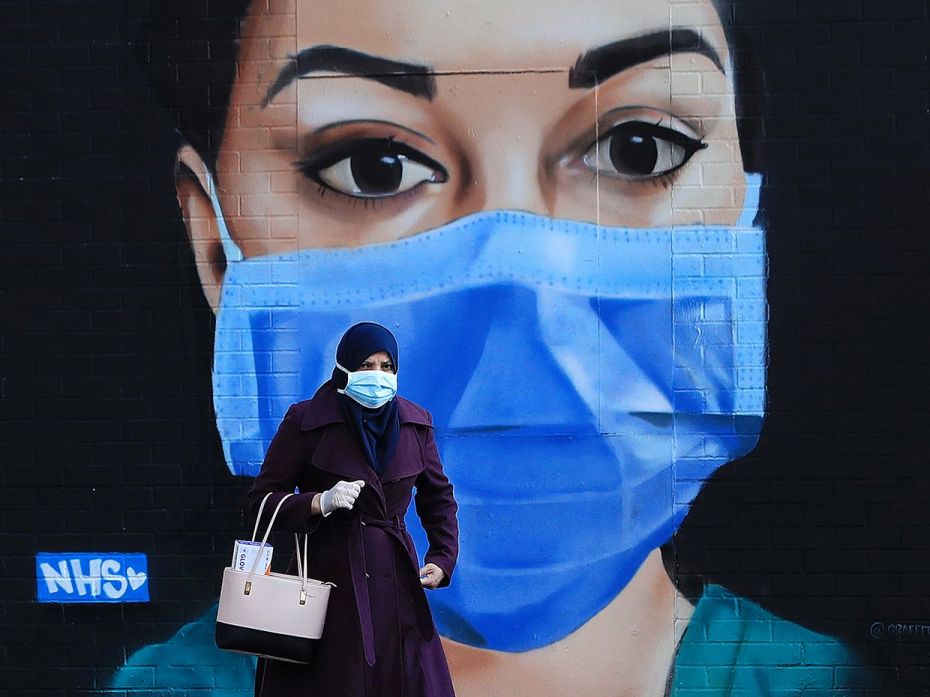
<point>379,637</point>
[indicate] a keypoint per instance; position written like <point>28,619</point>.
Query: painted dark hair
<point>189,53</point>
<point>748,84</point>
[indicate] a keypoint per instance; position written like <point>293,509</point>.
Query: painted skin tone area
<point>494,117</point>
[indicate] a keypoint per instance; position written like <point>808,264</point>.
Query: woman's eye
<point>372,168</point>
<point>640,150</point>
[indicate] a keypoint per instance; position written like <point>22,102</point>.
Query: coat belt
<point>356,544</point>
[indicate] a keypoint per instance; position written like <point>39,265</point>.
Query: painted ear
<point>192,183</point>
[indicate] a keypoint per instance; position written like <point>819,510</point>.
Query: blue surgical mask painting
<point>584,382</point>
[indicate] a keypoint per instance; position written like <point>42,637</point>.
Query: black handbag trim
<point>265,644</point>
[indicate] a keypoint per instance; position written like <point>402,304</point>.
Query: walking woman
<point>355,451</point>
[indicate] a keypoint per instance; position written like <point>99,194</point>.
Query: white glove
<point>342,495</point>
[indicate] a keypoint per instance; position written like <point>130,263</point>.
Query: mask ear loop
<point>348,373</point>
<point>751,199</point>
<point>230,248</point>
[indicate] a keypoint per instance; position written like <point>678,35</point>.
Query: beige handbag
<point>276,615</point>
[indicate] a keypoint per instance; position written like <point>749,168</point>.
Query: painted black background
<point>108,437</point>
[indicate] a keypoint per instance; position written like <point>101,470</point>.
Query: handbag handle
<point>302,568</point>
<point>302,564</point>
<point>258,518</point>
<point>264,543</point>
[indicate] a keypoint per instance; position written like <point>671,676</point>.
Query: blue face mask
<point>583,380</point>
<point>370,388</point>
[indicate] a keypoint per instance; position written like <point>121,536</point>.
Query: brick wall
<point>109,441</point>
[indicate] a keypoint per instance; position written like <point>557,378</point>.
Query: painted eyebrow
<point>601,63</point>
<point>407,77</point>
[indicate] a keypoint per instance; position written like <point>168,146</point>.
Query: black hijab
<point>377,429</point>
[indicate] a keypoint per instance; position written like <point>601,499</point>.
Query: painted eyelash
<point>664,180</point>
<point>331,154</point>
<point>366,202</point>
<point>667,178</point>
<point>692,145</point>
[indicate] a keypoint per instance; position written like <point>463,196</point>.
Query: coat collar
<point>338,451</point>
<point>323,408</point>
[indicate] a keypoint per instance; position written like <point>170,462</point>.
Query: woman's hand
<point>431,576</point>
<point>342,495</point>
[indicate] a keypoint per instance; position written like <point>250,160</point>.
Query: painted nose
<point>514,180</point>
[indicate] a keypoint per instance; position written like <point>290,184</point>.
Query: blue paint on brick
<point>189,663</point>
<point>746,266</point>
<point>751,401</point>
<point>703,241</point>
<point>714,310</point>
<point>800,678</point>
<point>750,242</point>
<point>687,311</point>
<point>750,332</point>
<point>695,470</point>
<point>687,265</point>
<point>286,362</point>
<point>720,265</point>
<point>753,378</point>
<point>689,401</point>
<point>715,333</point>
<point>138,677</point>
<point>237,363</point>
<point>285,272</point>
<point>750,307</point>
<point>284,318</point>
<point>729,645</point>
<point>750,288</point>
<point>91,577</point>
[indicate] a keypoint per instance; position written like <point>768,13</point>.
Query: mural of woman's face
<point>575,110</point>
<point>372,124</point>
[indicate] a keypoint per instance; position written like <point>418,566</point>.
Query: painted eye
<point>372,168</point>
<point>640,150</point>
